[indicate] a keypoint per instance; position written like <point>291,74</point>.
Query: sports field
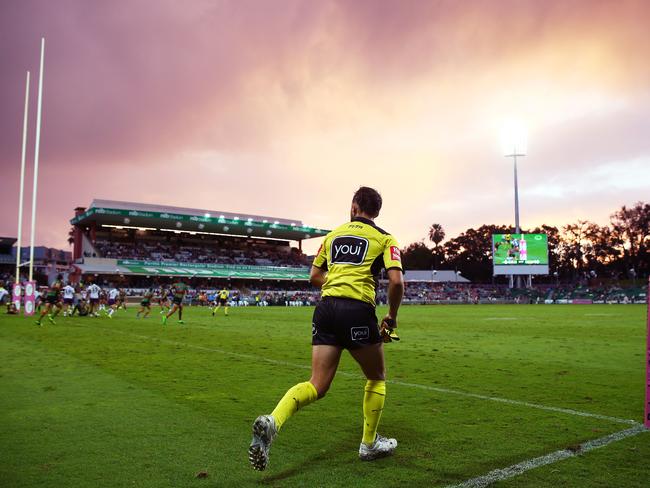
<point>124,402</point>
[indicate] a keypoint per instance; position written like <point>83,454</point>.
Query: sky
<point>285,108</point>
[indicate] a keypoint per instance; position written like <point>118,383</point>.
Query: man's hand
<point>387,330</point>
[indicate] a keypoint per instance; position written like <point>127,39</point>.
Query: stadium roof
<point>145,216</point>
<point>7,241</point>
<point>434,276</point>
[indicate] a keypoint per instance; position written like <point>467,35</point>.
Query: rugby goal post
<point>646,417</point>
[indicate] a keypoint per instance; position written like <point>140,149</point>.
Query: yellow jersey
<point>223,294</point>
<point>353,256</point>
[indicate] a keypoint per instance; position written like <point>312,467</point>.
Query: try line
<point>554,457</point>
<point>508,401</point>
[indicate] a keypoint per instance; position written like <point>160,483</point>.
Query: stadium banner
<point>16,296</point>
<point>207,270</point>
<point>30,298</point>
<point>520,254</point>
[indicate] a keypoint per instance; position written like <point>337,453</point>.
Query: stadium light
<point>207,215</point>
<point>514,142</point>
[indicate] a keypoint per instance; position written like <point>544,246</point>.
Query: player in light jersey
<point>163,300</point>
<point>68,299</point>
<point>113,295</point>
<point>523,249</point>
<point>93,291</point>
<point>3,292</point>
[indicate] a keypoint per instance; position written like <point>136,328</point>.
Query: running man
<point>121,301</point>
<point>52,299</point>
<point>223,300</point>
<point>345,269</point>
<point>179,290</point>
<point>113,296</point>
<point>68,299</point>
<point>93,292</point>
<point>145,304</point>
<point>163,300</point>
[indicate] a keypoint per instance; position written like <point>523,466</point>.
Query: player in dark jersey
<point>121,299</point>
<point>145,304</point>
<point>346,269</point>
<point>52,300</point>
<point>179,290</point>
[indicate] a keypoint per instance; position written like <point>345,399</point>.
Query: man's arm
<point>395,293</point>
<point>317,276</point>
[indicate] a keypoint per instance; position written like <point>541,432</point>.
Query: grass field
<point>126,402</point>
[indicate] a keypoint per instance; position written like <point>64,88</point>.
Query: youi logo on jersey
<point>348,250</point>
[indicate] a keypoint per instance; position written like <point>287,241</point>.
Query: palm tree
<point>436,234</point>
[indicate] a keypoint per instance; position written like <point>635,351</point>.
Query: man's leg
<point>371,360</point>
<point>180,313</point>
<point>43,313</point>
<point>325,360</point>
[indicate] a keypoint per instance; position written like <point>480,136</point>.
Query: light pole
<point>514,141</point>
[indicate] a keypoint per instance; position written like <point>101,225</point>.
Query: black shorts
<point>223,301</point>
<point>52,300</point>
<point>145,303</point>
<point>344,322</point>
<point>68,301</point>
<point>178,301</point>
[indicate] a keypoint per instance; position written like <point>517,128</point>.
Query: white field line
<point>394,382</point>
<point>554,457</point>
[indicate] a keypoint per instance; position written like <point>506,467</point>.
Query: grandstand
<point>125,239</point>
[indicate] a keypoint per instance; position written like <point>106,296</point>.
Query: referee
<point>345,269</point>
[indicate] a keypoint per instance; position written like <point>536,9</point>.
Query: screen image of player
<point>519,249</point>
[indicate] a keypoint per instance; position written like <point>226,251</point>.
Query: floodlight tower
<point>514,141</point>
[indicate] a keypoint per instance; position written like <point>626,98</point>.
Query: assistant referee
<point>346,269</point>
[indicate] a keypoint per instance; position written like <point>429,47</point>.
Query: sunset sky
<point>285,107</point>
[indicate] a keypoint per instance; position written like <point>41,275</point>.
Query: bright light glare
<point>514,138</point>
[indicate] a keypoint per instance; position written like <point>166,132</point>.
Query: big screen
<point>519,249</point>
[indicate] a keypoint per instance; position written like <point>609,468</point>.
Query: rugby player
<point>113,295</point>
<point>121,299</point>
<point>52,300</point>
<point>163,300</point>
<point>345,269</point>
<point>145,304</point>
<point>68,299</point>
<point>93,292</point>
<point>223,300</point>
<point>179,291</point>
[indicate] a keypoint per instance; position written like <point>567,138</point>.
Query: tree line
<point>577,251</point>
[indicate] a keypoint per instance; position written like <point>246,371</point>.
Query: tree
<point>71,236</point>
<point>436,235</point>
<point>471,251</point>
<point>417,256</point>
<point>631,228</point>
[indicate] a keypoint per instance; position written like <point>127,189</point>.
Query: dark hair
<point>369,200</point>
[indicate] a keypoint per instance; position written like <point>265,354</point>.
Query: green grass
<point>126,402</point>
